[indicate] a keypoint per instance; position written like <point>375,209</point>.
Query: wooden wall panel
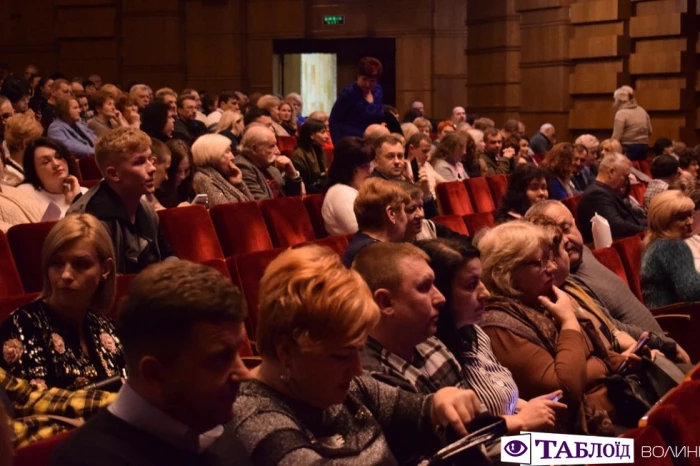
<point>597,77</point>
<point>599,11</point>
<point>86,22</point>
<point>449,50</point>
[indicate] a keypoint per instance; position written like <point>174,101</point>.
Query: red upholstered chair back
<point>480,194</point>
<point>89,183</point>
<point>89,169</point>
<point>337,243</point>
<point>453,198</point>
<point>190,232</point>
<point>313,204</point>
<point>695,373</point>
<point>26,242</point>
<point>630,251</point>
<point>647,436</point>
<point>477,222</point>
<point>39,453</point>
<point>123,283</point>
<point>7,305</point>
<point>287,221</point>
<point>676,416</point>
<point>240,228</point>
<point>645,167</point>
<point>498,184</point>
<point>453,222</point>
<point>611,259</point>
<point>638,191</point>
<point>10,282</point>
<point>286,144</point>
<point>249,269</point>
<point>571,203</point>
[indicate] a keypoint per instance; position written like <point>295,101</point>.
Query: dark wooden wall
<point>538,60</point>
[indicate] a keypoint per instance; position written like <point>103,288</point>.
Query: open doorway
<point>319,69</point>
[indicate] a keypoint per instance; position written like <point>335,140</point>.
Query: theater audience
<point>288,118</point>
<point>632,126</point>
<point>62,339</point>
<point>20,130</point>
<point>199,116</point>
<point>267,175</point>
<point>561,164</point>
<point>495,160</point>
<point>41,95</point>
<point>130,115</point>
<point>308,157</point>
<point>217,176</point>
<point>380,209</point>
<point>257,115</point>
<point>85,113</point>
<point>231,125</point>
<point>271,104</point>
<point>314,318</point>
<point>184,376</point>
<point>123,156</point>
<point>161,159</point>
<point>6,112</point>
<point>60,89</point>
<point>448,156</point>
<point>295,100</point>
<point>423,125</point>
<point>665,171</point>
<point>443,128</point>
<point>177,189</point>
<point>389,158</point>
<point>347,173</point>
<point>668,274</point>
<point>536,332</point>
<point>483,123</point>
<point>606,288</point>
<point>417,226</point>
<point>527,185</point>
<point>107,116</point>
<point>459,115</point>
<point>408,130</point>
<point>48,175</point>
<point>141,95</point>
<point>606,197</point>
<point>187,127</point>
<point>69,129</point>
<point>544,140</point>
<point>690,163</point>
<point>417,158</point>
<point>323,117</point>
<point>16,207</point>
<point>457,269</point>
<point>158,121</point>
<point>360,104</point>
<point>586,145</point>
<point>17,91</point>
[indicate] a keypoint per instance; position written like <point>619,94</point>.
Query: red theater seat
<point>630,251</point>
<point>645,167</point>
<point>453,222</point>
<point>611,259</point>
<point>647,436</point>
<point>453,198</point>
<point>498,184</point>
<point>477,222</point>
<point>123,283</point>
<point>287,221</point>
<point>89,169</point>
<point>571,203</point>
<point>7,305</point>
<point>480,194</point>
<point>10,282</point>
<point>337,243</point>
<point>638,191</point>
<point>286,144</point>
<point>26,242</point>
<point>39,453</point>
<point>240,228</point>
<point>314,204</point>
<point>190,232</point>
<point>247,270</point>
<point>676,418</point>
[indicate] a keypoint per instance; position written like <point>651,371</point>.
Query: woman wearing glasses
<point>231,125</point>
<point>539,333</point>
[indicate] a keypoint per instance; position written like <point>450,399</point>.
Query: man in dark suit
<point>187,127</point>
<point>606,197</point>
<point>267,174</point>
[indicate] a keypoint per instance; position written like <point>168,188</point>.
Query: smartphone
<point>555,398</point>
<point>641,343</point>
<point>200,199</point>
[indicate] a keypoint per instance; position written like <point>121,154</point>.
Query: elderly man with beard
<point>608,290</point>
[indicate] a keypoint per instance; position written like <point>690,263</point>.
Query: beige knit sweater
<point>632,125</point>
<point>16,207</point>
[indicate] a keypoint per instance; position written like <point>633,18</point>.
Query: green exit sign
<point>333,20</point>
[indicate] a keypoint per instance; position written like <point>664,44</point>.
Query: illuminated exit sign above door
<point>333,20</point>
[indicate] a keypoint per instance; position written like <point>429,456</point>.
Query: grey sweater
<point>374,423</point>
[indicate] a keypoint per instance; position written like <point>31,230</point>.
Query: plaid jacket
<point>433,367</point>
<point>30,400</point>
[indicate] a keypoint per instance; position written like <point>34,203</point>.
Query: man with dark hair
<point>258,115</point>
<point>582,174</point>
<point>187,127</point>
<point>663,146</point>
<point>181,326</point>
<point>511,128</point>
<point>17,91</point>
<point>665,171</point>
<point>495,160</point>
<point>690,162</point>
<point>60,89</point>
<point>227,101</point>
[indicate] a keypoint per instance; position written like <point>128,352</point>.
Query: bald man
<point>544,140</point>
<point>459,115</point>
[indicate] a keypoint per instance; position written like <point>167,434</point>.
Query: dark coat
<point>600,198</point>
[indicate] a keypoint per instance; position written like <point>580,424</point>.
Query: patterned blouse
<point>40,347</point>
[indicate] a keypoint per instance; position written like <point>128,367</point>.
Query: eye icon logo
<point>515,448</point>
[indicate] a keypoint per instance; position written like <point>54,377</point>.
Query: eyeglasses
<point>540,264</point>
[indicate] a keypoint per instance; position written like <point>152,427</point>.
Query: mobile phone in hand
<point>200,199</point>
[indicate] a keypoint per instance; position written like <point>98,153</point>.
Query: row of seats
<point>474,195</point>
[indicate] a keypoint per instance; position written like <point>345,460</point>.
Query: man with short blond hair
<point>123,155</point>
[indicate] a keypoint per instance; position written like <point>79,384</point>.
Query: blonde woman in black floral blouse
<point>62,339</point>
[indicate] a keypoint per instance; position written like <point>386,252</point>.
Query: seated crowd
<point>372,356</point>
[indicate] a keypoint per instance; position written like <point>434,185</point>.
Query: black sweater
<point>106,440</point>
